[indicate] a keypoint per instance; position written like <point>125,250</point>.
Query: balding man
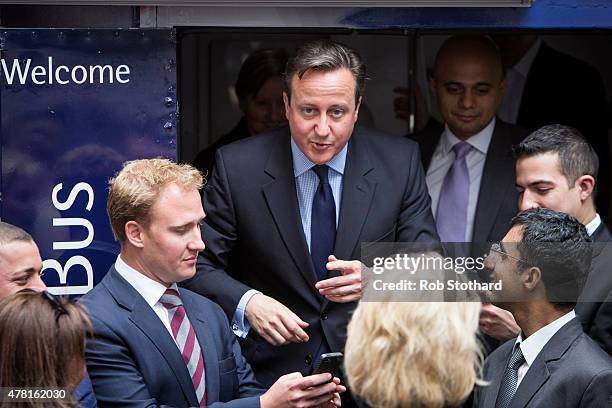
<point>20,268</point>
<point>469,162</point>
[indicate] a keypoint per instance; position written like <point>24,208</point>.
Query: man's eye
<point>453,89</point>
<point>337,113</point>
<point>483,91</point>
<point>308,111</point>
<point>543,190</point>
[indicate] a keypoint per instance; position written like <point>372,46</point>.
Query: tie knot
<point>517,359</point>
<point>321,171</point>
<point>170,299</point>
<point>461,150</point>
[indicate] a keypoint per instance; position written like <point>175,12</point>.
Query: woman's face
<point>265,110</point>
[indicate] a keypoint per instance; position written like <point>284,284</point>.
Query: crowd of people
<point>227,291</point>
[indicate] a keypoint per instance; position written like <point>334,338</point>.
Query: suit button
<point>308,359</point>
<point>324,316</point>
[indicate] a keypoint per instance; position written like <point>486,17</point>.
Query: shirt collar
<point>533,345</point>
<point>524,64</point>
<point>149,289</point>
<point>480,141</point>
<point>593,225</point>
<point>301,163</point>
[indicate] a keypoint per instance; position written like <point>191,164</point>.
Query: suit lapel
<point>281,198</point>
<point>207,344</point>
<point>497,175</point>
<point>540,370</point>
<point>147,321</point>
<point>498,370</point>
<point>357,193</point>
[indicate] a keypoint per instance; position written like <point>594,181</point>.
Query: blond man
<point>158,345</point>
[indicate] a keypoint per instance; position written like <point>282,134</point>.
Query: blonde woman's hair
<point>136,188</point>
<point>413,354</point>
<point>42,344</point>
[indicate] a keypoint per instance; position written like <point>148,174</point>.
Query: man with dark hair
<point>468,161</point>
<point>557,169</point>
<point>541,263</point>
<point>20,268</point>
<point>288,211</point>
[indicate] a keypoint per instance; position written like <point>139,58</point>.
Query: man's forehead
<point>543,165</point>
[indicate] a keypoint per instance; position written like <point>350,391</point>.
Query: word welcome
<point>24,71</point>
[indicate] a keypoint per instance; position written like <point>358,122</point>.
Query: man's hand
<point>274,321</point>
<point>345,288</point>
<point>293,390</point>
<point>498,323</point>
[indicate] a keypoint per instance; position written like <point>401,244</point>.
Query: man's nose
<point>467,100</point>
<point>527,201</point>
<point>322,126</point>
<point>36,283</point>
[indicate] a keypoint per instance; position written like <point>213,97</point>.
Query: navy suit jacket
<point>571,371</point>
<point>254,237</point>
<point>133,360</point>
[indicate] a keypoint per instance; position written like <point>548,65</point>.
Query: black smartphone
<point>329,363</point>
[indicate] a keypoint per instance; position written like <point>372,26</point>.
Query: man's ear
<point>287,103</point>
<point>531,277</point>
<point>357,107</point>
<point>586,184</point>
<point>134,233</point>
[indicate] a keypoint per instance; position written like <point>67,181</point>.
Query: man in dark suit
<point>546,86</point>
<point>541,263</point>
<point>153,343</point>
<point>557,168</point>
<point>475,205</point>
<point>289,210</point>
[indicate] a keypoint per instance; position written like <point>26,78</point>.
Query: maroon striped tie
<point>187,342</point>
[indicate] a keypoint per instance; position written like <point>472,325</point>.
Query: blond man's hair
<point>413,354</point>
<point>135,189</point>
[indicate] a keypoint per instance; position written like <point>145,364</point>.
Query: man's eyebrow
<point>535,182</point>
<point>23,273</point>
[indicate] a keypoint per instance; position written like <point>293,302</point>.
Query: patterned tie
<point>510,381</point>
<point>186,340</point>
<point>323,223</point>
<point>451,215</point>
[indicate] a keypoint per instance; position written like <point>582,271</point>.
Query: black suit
<point>562,89</point>
<point>596,317</point>
<point>570,371</point>
<point>497,198</point>
<point>254,237</point>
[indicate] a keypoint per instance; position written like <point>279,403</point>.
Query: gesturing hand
<point>345,288</point>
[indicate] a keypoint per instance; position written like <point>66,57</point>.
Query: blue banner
<point>75,105</point>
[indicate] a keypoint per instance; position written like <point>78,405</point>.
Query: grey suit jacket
<point>570,371</point>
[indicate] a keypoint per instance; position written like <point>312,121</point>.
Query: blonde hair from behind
<point>136,188</point>
<point>42,347</point>
<point>419,354</point>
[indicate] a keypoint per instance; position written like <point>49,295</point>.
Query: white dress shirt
<point>149,289</point>
<point>516,77</point>
<point>443,159</point>
<point>593,225</point>
<point>533,345</point>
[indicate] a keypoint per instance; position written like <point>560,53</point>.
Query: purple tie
<point>451,215</point>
